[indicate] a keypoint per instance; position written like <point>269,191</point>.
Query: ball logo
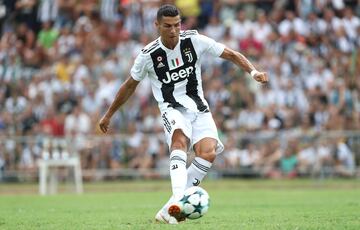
<point>180,75</point>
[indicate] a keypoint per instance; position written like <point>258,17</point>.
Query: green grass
<point>235,204</point>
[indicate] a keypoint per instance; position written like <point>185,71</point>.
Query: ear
<point>157,24</point>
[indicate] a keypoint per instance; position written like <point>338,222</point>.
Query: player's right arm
<point>123,94</point>
<point>240,60</point>
<point>137,73</point>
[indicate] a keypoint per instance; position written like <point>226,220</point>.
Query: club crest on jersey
<point>188,54</point>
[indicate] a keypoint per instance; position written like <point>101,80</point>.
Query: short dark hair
<point>167,10</point>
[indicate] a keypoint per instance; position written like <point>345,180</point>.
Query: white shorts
<point>195,125</point>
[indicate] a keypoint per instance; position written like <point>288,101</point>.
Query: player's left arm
<point>241,61</point>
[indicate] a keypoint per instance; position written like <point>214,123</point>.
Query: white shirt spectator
<point>338,4</point>
<point>323,152</point>
<point>315,25</point>
<point>292,23</point>
<point>250,119</point>
<point>15,104</point>
<point>47,87</point>
<point>149,10</point>
<point>345,156</point>
<point>108,86</point>
<point>81,73</point>
<point>248,158</point>
<point>351,23</point>
<point>281,98</point>
<point>240,28</point>
<point>313,80</point>
<point>77,123</point>
<point>65,42</point>
<point>217,93</point>
<point>292,97</point>
<point>308,155</point>
<point>321,118</point>
<point>342,41</point>
<point>261,28</point>
<point>332,22</point>
<point>48,10</point>
<point>265,97</point>
<point>135,136</point>
<point>89,103</point>
<point>215,29</point>
<point>27,158</point>
<point>232,156</point>
<point>133,21</point>
<point>108,10</point>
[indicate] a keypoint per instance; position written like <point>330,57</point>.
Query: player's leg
<point>177,131</point>
<point>178,172</point>
<point>205,154</point>
<point>178,157</point>
<point>207,146</point>
<point>178,176</point>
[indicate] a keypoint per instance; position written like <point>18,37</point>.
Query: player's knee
<point>179,141</point>
<point>206,149</point>
<point>207,152</point>
<point>179,144</point>
<point>209,155</point>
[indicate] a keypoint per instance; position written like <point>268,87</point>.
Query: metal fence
<point>285,154</point>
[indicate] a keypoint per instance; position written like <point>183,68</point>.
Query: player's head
<point>168,23</point>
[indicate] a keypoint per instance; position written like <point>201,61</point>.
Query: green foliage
<point>234,205</point>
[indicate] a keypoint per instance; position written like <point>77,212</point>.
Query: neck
<point>168,45</point>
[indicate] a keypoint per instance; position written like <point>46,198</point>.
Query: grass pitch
<point>235,204</point>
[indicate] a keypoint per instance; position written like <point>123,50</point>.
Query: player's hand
<point>261,77</point>
<point>104,123</point>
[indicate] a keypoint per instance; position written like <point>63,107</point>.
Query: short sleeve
<point>138,70</point>
<point>209,45</point>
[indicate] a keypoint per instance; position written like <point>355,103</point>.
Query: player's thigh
<point>174,120</point>
<point>205,133</point>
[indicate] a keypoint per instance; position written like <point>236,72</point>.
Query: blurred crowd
<point>62,62</point>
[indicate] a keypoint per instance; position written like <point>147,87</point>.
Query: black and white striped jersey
<point>176,74</point>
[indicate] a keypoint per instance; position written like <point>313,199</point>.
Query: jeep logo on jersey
<point>178,76</point>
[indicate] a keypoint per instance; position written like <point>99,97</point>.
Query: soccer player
<point>172,62</point>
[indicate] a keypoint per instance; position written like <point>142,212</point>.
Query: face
<point>169,29</point>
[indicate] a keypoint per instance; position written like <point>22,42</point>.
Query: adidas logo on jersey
<point>181,74</point>
<point>160,65</point>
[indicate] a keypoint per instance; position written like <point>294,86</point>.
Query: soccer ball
<point>195,202</point>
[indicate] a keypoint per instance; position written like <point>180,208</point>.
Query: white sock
<point>178,172</point>
<point>197,171</point>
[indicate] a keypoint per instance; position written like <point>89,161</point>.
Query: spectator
<point>26,11</point>
<point>47,35</point>
<point>214,28</point>
<point>241,26</point>
<point>289,163</point>
<point>231,154</point>
<point>345,165</point>
<point>48,10</point>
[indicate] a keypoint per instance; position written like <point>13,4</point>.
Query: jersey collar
<point>167,49</point>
